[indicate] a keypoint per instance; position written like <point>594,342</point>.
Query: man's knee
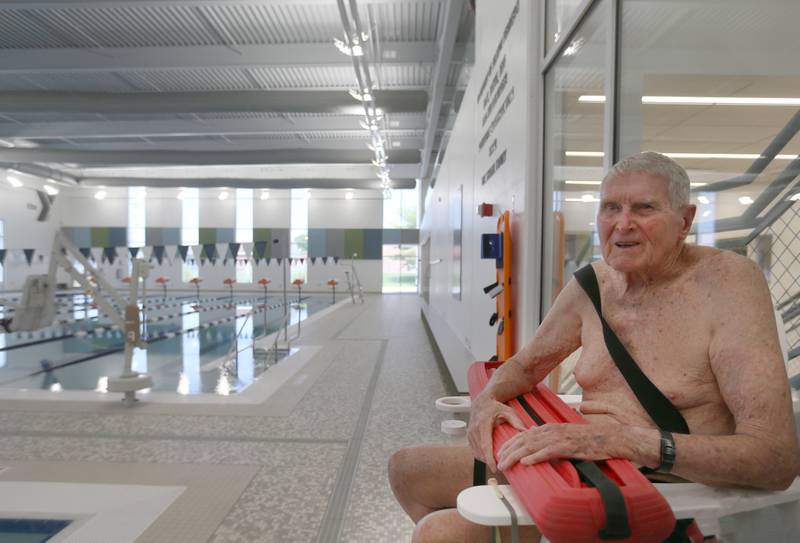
<point>403,468</point>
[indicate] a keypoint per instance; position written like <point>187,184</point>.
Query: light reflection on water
<point>187,362</point>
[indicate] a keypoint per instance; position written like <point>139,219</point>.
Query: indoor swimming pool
<point>188,338</point>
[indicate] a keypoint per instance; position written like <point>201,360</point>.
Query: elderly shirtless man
<point>699,322</point>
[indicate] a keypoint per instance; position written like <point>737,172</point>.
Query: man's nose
<point>624,221</point>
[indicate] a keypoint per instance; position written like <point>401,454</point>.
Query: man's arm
<point>557,337</point>
<point>747,363</point>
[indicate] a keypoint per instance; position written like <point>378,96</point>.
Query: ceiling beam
<point>283,156</point>
<point>274,171</point>
<point>78,4</point>
<point>126,59</point>
<point>203,127</point>
<point>231,182</point>
<point>206,102</point>
<point>447,39</point>
<point>312,144</point>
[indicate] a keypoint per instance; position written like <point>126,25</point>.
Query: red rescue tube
<point>564,509</point>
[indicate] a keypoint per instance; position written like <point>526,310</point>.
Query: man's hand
<point>486,413</point>
<point>579,441</point>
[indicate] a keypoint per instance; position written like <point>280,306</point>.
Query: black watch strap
<point>667,452</point>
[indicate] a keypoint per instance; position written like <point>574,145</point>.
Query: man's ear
<point>687,217</point>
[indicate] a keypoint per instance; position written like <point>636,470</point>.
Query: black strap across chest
<point>661,410</point>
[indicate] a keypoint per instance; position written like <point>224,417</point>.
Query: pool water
<point>187,337</point>
<point>19,530</point>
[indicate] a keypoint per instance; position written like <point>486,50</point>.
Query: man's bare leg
<point>426,482</point>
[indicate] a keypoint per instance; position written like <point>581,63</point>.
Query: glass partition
<point>558,18</point>
<point>573,158</point>
<point>716,86</point>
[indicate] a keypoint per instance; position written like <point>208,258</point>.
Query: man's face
<point>639,229</point>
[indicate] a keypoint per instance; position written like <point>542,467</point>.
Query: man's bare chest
<point>669,339</point>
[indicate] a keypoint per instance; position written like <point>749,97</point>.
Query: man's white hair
<point>660,166</point>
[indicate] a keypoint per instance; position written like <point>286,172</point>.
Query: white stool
<point>732,515</point>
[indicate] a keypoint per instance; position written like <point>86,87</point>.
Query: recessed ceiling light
<point>348,195</point>
<point>795,197</point>
<point>223,195</point>
<point>100,195</point>
<point>702,100</point>
<point>51,190</point>
<point>703,199</point>
<point>14,182</point>
<point>724,156</point>
<point>265,195</point>
<point>745,200</point>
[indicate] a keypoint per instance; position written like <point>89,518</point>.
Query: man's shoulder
<point>721,263</point>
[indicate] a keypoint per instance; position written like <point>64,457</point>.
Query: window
<point>716,87</point>
<point>244,234</point>
<point>400,268</point>
<point>2,308</point>
<point>573,157</point>
<point>2,246</point>
<point>400,211</point>
<point>137,212</point>
<point>190,230</point>
<point>299,233</point>
<point>560,15</point>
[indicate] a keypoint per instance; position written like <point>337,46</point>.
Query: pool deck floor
<point>307,464</point>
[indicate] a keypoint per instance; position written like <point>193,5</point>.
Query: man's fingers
<point>513,419</point>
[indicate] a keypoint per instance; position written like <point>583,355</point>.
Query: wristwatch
<point>667,452</point>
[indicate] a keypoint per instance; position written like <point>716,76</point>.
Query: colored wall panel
<point>391,236</point>
<point>409,237</point>
<point>317,242</point>
<point>170,236</point>
<point>208,235</point>
<point>354,243</point>
<point>117,237</point>
<point>262,234</point>
<point>334,242</point>
<point>100,237</point>
<point>152,236</point>
<point>226,235</point>
<point>281,248</point>
<point>373,244</point>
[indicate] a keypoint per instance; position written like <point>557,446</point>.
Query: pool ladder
<point>355,290</point>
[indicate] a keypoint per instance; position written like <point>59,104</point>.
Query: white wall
<point>461,326</point>
<point>330,209</point>
<point>79,208</point>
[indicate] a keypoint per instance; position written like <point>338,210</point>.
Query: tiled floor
<point>259,473</point>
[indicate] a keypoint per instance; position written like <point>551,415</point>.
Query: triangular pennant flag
<point>29,255</point>
<point>267,260</point>
<point>259,249</point>
<point>278,260</point>
<point>110,253</point>
<point>2,256</point>
<point>313,260</point>
<point>247,250</point>
<point>158,252</point>
<point>209,251</point>
<point>324,259</point>
<point>86,252</point>
<point>336,259</point>
<point>133,251</point>
<point>183,250</point>
<point>302,261</point>
<point>233,249</point>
